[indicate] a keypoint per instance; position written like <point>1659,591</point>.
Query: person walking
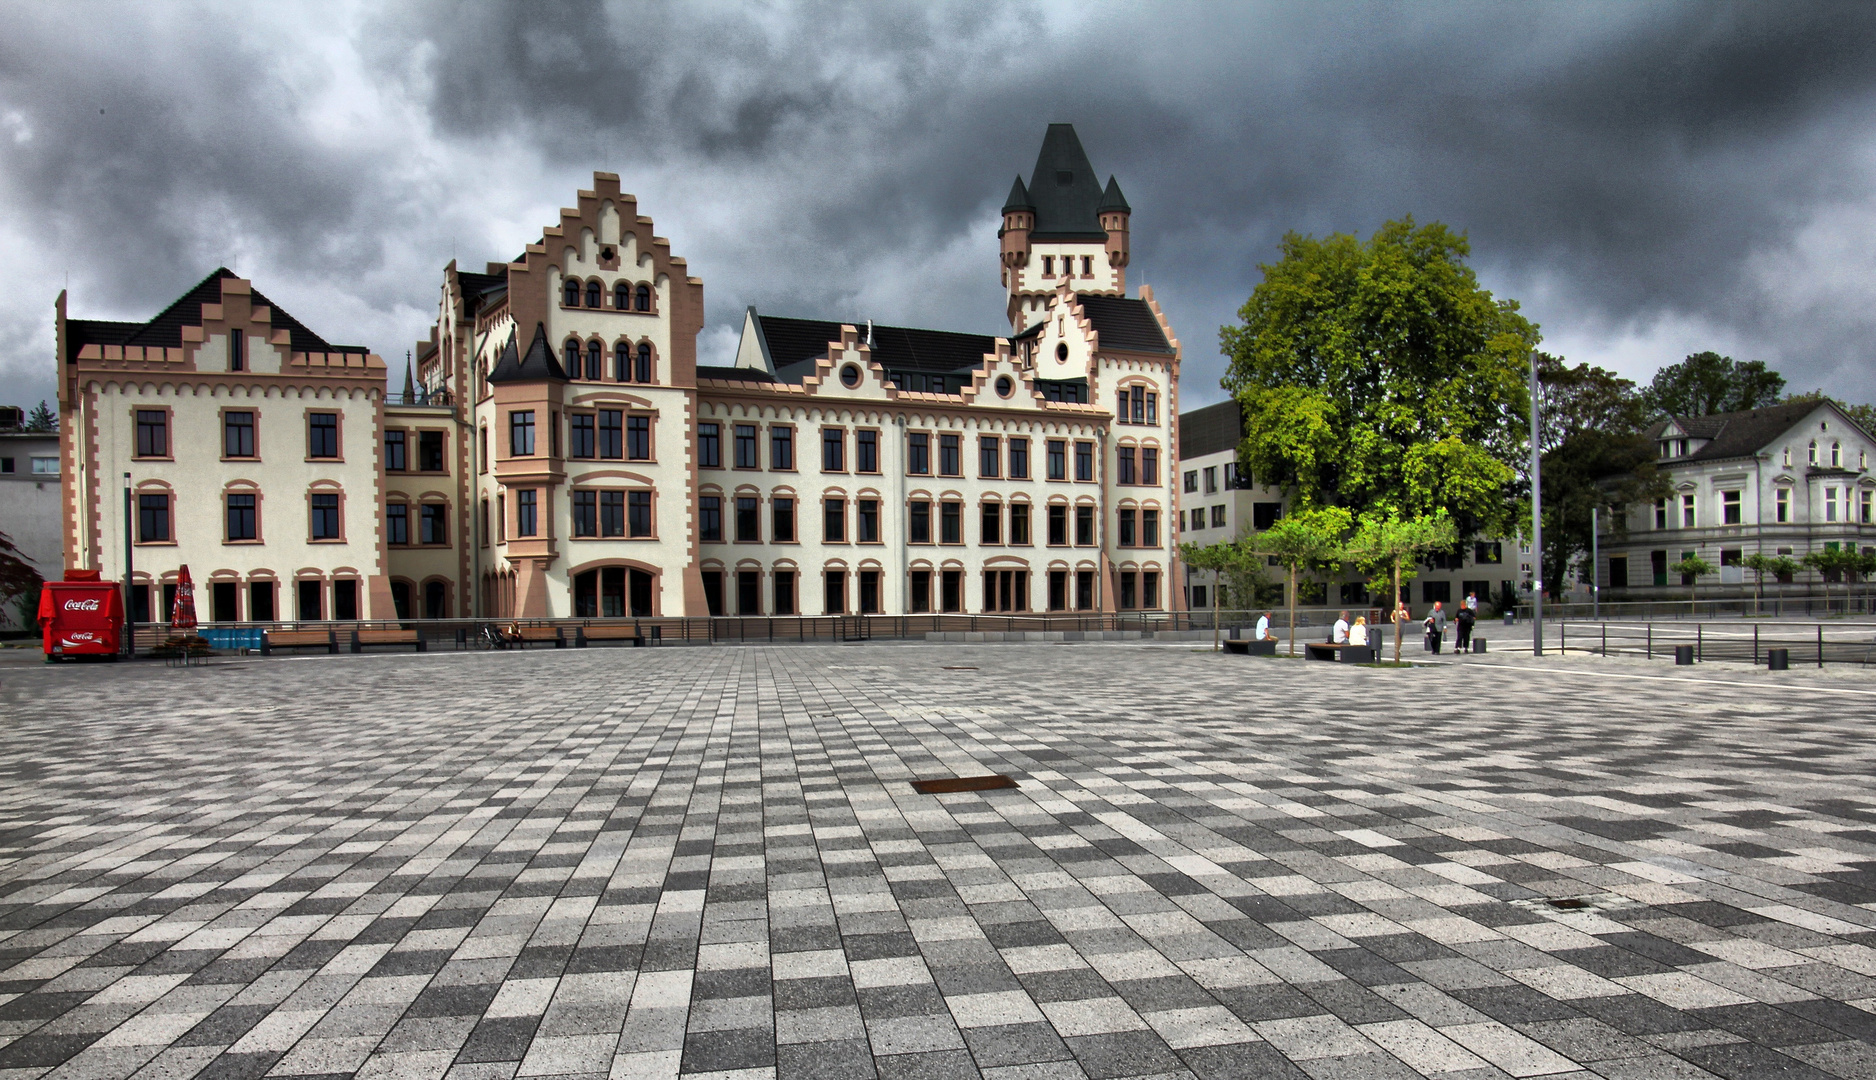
<point>1436,627</point>
<point>1462,626</point>
<point>1472,604</point>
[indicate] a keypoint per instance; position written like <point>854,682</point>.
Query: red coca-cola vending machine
<point>81,616</point>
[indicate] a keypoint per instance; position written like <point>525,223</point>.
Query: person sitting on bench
<point>1339,634</point>
<point>1263,629</point>
<point>1358,634</point>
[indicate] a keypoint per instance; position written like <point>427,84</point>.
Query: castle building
<point>560,452</point>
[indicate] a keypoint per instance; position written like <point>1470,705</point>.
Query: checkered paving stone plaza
<point>710,861</point>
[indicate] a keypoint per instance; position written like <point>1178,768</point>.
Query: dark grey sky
<point>1648,179</point>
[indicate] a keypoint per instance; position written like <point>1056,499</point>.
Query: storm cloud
<point>1648,180</point>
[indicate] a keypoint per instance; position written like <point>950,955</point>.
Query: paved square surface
<point>710,861</point>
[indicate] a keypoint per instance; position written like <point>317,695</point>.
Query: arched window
<point>644,298</point>
<point>1813,459</point>
<point>572,298</point>
<point>622,359</point>
<point>595,356</point>
<point>592,295</point>
<point>1836,455</point>
<point>622,296</point>
<point>644,363</point>
<point>570,358</point>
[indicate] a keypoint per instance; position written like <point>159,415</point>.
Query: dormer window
<point>592,294</point>
<point>572,295</point>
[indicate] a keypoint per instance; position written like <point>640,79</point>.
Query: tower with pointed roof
<point>1062,228</point>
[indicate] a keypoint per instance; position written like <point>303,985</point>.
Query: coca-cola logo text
<point>82,605</point>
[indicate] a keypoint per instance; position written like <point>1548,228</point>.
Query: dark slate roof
<point>538,364</point>
<point>895,348</point>
<point>1019,197</point>
<point>1738,434</point>
<point>1211,430</point>
<point>1124,323</point>
<point>165,329</point>
<point>475,286</point>
<point>1112,199</point>
<point>705,371</point>
<point>1064,189</point>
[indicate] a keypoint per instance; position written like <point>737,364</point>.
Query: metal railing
<point>1813,643</point>
<point>1808,606</point>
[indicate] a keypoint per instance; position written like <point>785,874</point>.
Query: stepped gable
<point>164,331</point>
<point>1124,323</point>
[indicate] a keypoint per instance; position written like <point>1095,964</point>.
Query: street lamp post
<point>130,615</point>
<point>1595,574</point>
<point>1537,526</point>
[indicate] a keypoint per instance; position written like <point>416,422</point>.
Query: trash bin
<point>1509,616</point>
<point>1478,644</point>
<point>1778,659</point>
<point>1683,656</point>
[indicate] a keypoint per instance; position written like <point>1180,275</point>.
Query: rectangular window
<point>325,510</point>
<point>834,520</point>
<point>782,448</point>
<point>921,592</point>
<point>1084,590</point>
<point>1729,507</point>
<point>1149,581</point>
<point>1687,511</point>
<point>1218,516</point>
<point>1863,507</point>
<point>1782,509</point>
<point>918,454</point>
<point>866,519</point>
<point>990,524</point>
<point>345,600</point>
<point>1128,600</point>
<point>241,524</point>
<point>1265,514</point>
<point>746,447</point>
<point>1019,458</point>
<point>709,446</point>
<point>433,525</point>
<point>582,442</point>
<point>1661,513</point>
<point>919,527</point>
<point>322,434</point>
<point>1149,528</point>
<point>521,433</point>
<point>1211,480</point>
<point>1487,553</point>
<point>1123,465</point>
<point>586,513</point>
<point>638,438</point>
<point>1084,461</point>
<point>237,436</point>
<point>834,592</point>
<point>527,512</point>
<point>748,527</point>
<point>1048,270</point>
<point>430,451</point>
<point>1149,466</point>
<point>310,596</point>
<point>1019,523</point>
<point>152,433</point>
<point>1058,526</point>
<point>782,520</point>
<point>1830,504</point>
<point>1192,480</point>
<point>1084,526</point>
<point>236,348</point>
<point>749,591</point>
<point>396,523</point>
<point>784,592</point>
<point>710,519</point>
<point>43,466</point>
<point>261,601</point>
<point>950,455</point>
<point>1198,518</point>
<point>1058,590</point>
<point>950,523</point>
<point>612,433</point>
<point>951,591</point>
<point>638,513</point>
<point>612,513</point>
<point>1618,572</point>
<point>1152,408</point>
<point>989,457</point>
<point>1058,459</point>
<point>833,450</point>
<point>1126,519</point>
<point>866,451</point>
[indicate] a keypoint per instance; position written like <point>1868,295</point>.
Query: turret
<point>1114,213</point>
<point>1019,216</point>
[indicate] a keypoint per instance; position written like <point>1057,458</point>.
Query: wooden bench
<point>1248,647</point>
<point>608,632</point>
<point>362,638</point>
<point>298,639</point>
<point>525,635</point>
<point>1346,653</point>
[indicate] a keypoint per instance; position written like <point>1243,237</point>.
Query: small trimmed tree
<point>1690,568</point>
<point>1214,557</point>
<point>1760,564</point>
<point>1304,540</point>
<point>1388,542</point>
<point>1839,563</point>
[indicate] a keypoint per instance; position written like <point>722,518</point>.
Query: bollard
<point>1683,656</point>
<point>1778,659</point>
<point>1478,644</point>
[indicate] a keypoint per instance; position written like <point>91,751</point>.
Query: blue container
<point>230,638</point>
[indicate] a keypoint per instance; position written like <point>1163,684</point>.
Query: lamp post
<point>1595,573</point>
<point>130,614</point>
<point>1537,526</point>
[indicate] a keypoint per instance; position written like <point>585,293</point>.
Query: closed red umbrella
<point>182,615</point>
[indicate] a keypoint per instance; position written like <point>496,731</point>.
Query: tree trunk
<point>1217,576</point>
<point>1292,609</point>
<point>1397,618</point>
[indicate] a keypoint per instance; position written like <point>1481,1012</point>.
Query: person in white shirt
<point>1263,628</point>
<point>1472,602</point>
<point>1358,634</point>
<point>1341,629</point>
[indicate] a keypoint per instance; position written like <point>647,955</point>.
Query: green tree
<point>1380,376</point>
<point>1596,457</point>
<point>1385,541</point>
<point>1690,568</point>
<point>1841,563</point>
<point>1305,540</point>
<point>1707,383</point>
<point>42,420</point>
<point>1760,564</point>
<point>1219,558</point>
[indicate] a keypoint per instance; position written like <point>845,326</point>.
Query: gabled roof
<point>1124,323</point>
<point>1064,189</point>
<point>1211,430</point>
<point>538,364</point>
<point>165,329</point>
<point>790,342</point>
<point>1738,434</point>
